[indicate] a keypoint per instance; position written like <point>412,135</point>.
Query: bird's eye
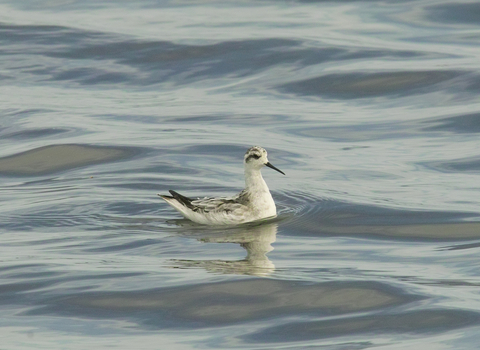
<point>250,156</point>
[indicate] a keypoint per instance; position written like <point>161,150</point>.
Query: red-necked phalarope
<point>254,203</point>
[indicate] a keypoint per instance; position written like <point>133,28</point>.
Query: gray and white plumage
<point>254,203</point>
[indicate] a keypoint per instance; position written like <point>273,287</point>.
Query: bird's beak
<point>274,168</point>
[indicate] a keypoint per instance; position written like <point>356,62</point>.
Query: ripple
<point>299,204</point>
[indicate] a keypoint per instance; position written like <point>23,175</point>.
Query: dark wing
<point>207,205</point>
<point>184,200</point>
<point>222,204</point>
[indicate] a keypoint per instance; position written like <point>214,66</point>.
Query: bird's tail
<point>185,201</point>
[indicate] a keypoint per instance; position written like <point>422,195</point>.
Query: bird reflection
<point>255,239</point>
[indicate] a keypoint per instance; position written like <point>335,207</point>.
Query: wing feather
<point>223,204</point>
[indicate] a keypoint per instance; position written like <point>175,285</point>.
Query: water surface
<point>371,109</point>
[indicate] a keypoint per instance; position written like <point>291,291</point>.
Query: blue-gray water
<point>371,108</point>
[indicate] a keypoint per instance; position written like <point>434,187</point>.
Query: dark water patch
<point>320,217</point>
<point>473,84</point>
<point>365,85</point>
<point>414,323</point>
<point>463,165</point>
<point>455,12</point>
<point>462,246</point>
<point>226,57</point>
<point>461,124</point>
<point>353,147</point>
<point>231,119</point>
<point>56,158</point>
<point>337,225</point>
<point>29,134</point>
<point>160,61</point>
<point>51,35</point>
<point>224,303</point>
<point>6,77</point>
<point>163,61</point>
<point>20,292</point>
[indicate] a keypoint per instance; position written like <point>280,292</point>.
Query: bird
<point>253,203</point>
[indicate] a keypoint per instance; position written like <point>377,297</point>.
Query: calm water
<point>371,108</point>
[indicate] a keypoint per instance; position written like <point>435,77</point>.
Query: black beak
<point>274,168</point>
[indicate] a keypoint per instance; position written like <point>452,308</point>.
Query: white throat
<point>259,195</point>
<point>254,181</point>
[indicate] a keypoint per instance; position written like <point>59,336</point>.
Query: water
<point>371,108</point>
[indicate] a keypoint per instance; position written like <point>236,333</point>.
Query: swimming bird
<point>254,203</point>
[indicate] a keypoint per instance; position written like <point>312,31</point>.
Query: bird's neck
<point>254,181</point>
